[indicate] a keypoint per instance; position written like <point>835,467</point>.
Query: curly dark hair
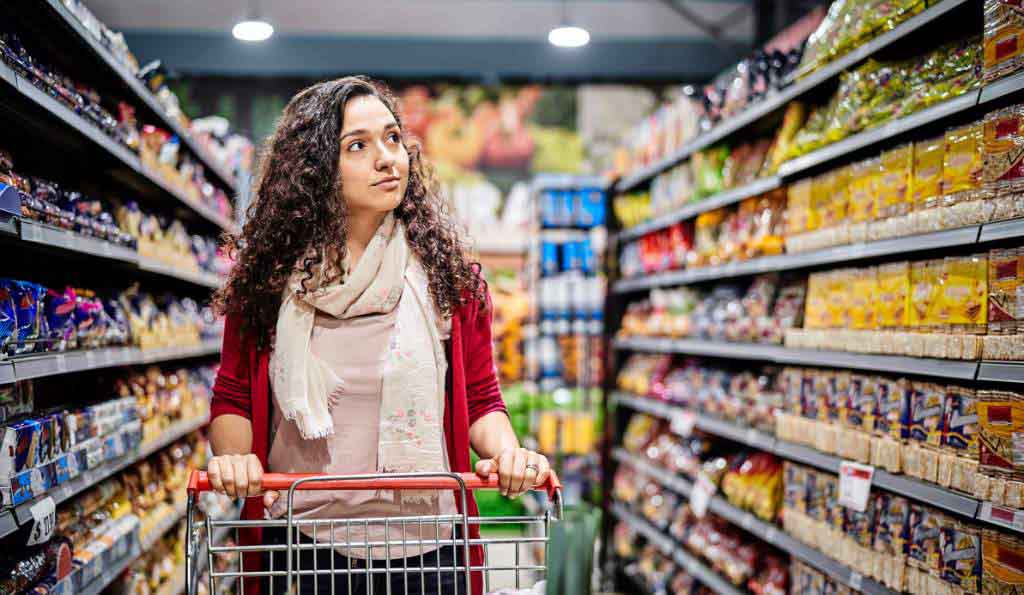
<point>297,213</point>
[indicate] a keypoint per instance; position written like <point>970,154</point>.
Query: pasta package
<point>1003,171</point>
<point>892,310</point>
<point>926,183</point>
<point>1003,43</point>
<point>1004,311</point>
<point>962,164</point>
<point>895,171</point>
<point>1000,432</point>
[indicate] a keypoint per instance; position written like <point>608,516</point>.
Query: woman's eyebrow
<point>358,132</point>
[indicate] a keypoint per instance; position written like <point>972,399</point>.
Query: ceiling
<point>648,38</point>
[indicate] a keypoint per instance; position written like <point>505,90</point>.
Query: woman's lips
<point>389,185</point>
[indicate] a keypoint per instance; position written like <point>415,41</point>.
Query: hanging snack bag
<point>1003,38</point>
<point>962,165</point>
<point>926,184</point>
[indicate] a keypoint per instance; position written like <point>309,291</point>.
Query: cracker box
<point>893,513</point>
<point>924,526</point>
<point>926,402</point>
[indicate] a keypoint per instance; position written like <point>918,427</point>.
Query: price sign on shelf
<point>700,495</point>
<point>683,422</point>
<point>855,485</point>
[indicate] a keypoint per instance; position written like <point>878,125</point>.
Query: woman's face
<point>374,164</point>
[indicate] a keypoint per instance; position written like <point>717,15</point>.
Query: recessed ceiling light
<point>569,37</point>
<point>253,30</point>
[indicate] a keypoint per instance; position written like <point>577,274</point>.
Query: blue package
<point>563,208</point>
<point>27,313</point>
<point>590,207</point>
<point>58,315</point>
<point>588,258</point>
<point>549,258</point>
<point>548,209</point>
<point>570,261</point>
<point>8,320</point>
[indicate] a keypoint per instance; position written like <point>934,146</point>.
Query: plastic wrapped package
<point>895,173</point>
<point>1003,38</point>
<point>963,164</point>
<point>1005,310</point>
<point>1003,170</point>
<point>926,182</point>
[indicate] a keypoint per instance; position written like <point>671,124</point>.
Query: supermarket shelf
<point>1001,230</point>
<point>107,144</point>
<point>780,98</point>
<point>880,134</point>
<point>709,204</point>
<point>10,519</point>
<point>669,547</point>
<point>97,585</point>
<point>766,532</point>
<point>933,494</point>
<point>52,364</point>
<point>542,182</point>
<point>39,233</point>
<point>896,364</point>
<point>963,236</point>
<point>1002,87</point>
<point>202,278</point>
<point>140,92</point>
<point>1001,372</point>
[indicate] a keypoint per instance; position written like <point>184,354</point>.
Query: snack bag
<point>1003,151</point>
<point>1003,38</point>
<point>895,172</point>
<point>892,311</point>
<point>863,190</point>
<point>58,310</point>
<point>961,555</point>
<point>798,206</point>
<point>962,164</point>
<point>1003,288</point>
<point>28,313</point>
<point>863,298</point>
<point>1000,423</point>
<point>960,424</point>
<point>924,525</point>
<point>964,297</point>
<point>924,291</point>
<point>893,519</point>
<point>894,408</point>
<point>926,183</point>
<point>926,402</point>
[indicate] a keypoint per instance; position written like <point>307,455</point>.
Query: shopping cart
<point>296,561</point>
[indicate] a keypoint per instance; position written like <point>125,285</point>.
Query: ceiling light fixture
<point>253,28</point>
<point>566,35</point>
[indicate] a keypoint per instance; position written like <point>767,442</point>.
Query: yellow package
<point>926,183</point>
<point>893,291</point>
<point>837,206</point>
<point>924,293</point>
<point>815,308</point>
<point>798,206</point>
<point>821,196</point>
<point>1003,43</point>
<point>863,299</point>
<point>839,296</point>
<point>895,170</point>
<point>962,163</point>
<point>964,296</point>
<point>862,192</point>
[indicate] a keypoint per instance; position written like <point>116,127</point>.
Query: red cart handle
<point>199,481</point>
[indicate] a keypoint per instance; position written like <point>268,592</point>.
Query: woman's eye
<point>356,146</point>
<point>395,137</point>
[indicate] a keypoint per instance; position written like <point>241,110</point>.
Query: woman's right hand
<point>239,476</point>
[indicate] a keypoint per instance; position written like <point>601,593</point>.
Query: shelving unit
<point>933,494</point>
<point>670,548</point>
<point>779,99</point>
<point>766,532</point>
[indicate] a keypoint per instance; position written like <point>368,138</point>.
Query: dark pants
<point>410,582</point>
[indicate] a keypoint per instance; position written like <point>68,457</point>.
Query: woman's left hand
<point>518,469</point>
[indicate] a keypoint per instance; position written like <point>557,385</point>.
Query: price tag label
<point>90,359</point>
<point>855,484</point>
<point>30,232</point>
<point>44,518</point>
<point>61,362</point>
<point>701,495</point>
<point>683,422</point>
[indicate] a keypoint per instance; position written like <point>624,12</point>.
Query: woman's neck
<point>361,227</point>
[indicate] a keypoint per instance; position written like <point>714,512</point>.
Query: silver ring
<point>535,468</point>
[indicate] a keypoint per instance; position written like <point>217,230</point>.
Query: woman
<point>357,339</point>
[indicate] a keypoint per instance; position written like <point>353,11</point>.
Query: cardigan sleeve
<point>483,392</point>
<point>231,390</point>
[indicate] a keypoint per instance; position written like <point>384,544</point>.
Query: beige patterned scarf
<point>412,402</point>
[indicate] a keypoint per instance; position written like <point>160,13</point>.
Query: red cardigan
<point>242,388</point>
